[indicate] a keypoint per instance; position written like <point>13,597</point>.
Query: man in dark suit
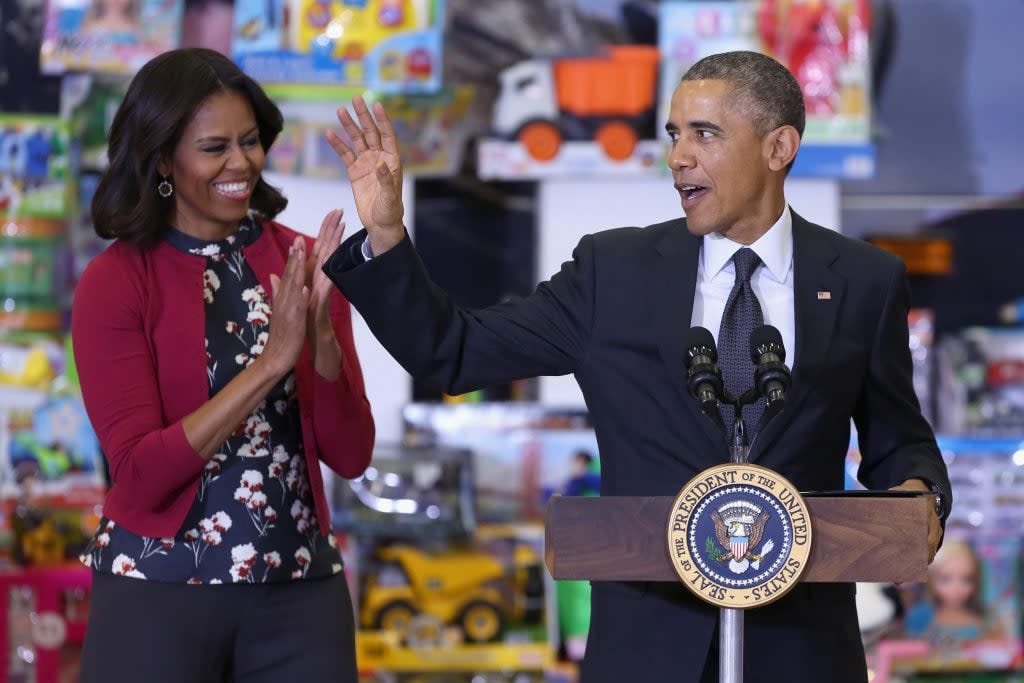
<point>617,315</point>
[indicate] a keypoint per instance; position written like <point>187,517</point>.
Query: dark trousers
<point>175,633</point>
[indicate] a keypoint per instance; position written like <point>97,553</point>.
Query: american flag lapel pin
<point>824,295</point>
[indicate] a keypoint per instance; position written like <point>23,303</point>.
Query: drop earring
<point>165,189</point>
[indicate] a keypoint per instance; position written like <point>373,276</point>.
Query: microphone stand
<point>730,621</point>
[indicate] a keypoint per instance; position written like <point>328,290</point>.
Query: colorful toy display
<point>432,132</point>
<point>470,589</point>
<point>521,452</point>
<point>33,201</point>
<point>471,608</point>
<point>980,377</point>
<point>389,46</point>
<point>823,42</point>
<point>608,98</point>
<point>116,36</point>
<point>409,493</point>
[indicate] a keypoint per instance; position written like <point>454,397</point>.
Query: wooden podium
<point>857,536</point>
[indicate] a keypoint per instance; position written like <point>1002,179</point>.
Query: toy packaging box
<point>432,131</point>
<point>824,43</point>
<point>980,379</point>
<point>116,36</point>
<point>966,617</point>
<point>522,453</point>
<point>477,606</point>
<point>34,188</point>
<point>295,48</point>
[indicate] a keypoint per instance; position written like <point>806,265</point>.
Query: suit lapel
<point>673,282</point>
<point>817,296</point>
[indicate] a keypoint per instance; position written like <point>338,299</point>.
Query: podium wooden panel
<point>856,538</point>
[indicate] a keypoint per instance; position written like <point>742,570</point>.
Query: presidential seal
<point>739,535</point>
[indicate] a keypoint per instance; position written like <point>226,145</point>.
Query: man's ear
<point>781,146</point>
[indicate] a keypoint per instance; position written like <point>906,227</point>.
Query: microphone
<point>703,377</point>
<point>771,376</point>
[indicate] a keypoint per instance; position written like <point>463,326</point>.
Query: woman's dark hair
<point>161,101</point>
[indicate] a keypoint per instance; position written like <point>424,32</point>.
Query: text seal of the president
<point>739,535</point>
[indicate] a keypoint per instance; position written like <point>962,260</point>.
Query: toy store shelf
<point>994,446</point>
<point>381,651</point>
<point>504,160</point>
<point>918,657</point>
<point>978,445</point>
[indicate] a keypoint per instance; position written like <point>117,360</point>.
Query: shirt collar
<point>775,248</point>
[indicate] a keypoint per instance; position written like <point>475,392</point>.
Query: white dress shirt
<point>772,282</point>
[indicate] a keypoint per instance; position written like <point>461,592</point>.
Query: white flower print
<point>243,557</point>
<point>211,473</point>
<point>259,309</point>
<point>281,406</point>
<point>252,479</point>
<point>211,283</point>
<point>101,541</point>
<point>235,262</point>
<point>305,520</point>
<point>207,535</point>
<point>261,343</point>
<point>244,359</point>
<point>336,568</point>
<point>155,546</point>
<point>250,494</point>
<point>206,250</point>
<point>303,557</point>
<point>258,318</point>
<point>257,429</point>
<point>289,385</point>
<point>243,554</point>
<point>245,451</point>
<point>296,478</point>
<point>215,581</point>
<point>125,566</point>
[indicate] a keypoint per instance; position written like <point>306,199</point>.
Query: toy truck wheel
<point>617,139</point>
<point>481,622</point>
<point>542,139</point>
<point>395,616</point>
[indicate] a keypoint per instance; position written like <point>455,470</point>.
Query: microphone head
<point>700,342</point>
<point>766,339</point>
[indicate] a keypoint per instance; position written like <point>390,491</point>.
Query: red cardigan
<point>138,335</point>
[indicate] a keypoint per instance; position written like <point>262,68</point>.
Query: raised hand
<point>320,286</point>
<point>290,306</point>
<point>374,170</point>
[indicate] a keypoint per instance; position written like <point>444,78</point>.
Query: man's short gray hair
<point>765,89</point>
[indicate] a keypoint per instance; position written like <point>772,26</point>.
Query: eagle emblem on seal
<point>739,527</point>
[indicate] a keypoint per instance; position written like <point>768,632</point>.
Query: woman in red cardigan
<point>218,369</point>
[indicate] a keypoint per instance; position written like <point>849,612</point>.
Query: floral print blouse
<point>253,519</point>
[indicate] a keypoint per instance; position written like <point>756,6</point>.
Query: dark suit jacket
<point>616,316</point>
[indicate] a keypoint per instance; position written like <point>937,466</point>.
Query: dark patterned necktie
<point>742,316</point>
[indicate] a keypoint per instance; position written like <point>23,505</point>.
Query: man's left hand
<point>934,527</point>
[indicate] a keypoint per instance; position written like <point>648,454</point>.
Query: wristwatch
<point>940,502</point>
